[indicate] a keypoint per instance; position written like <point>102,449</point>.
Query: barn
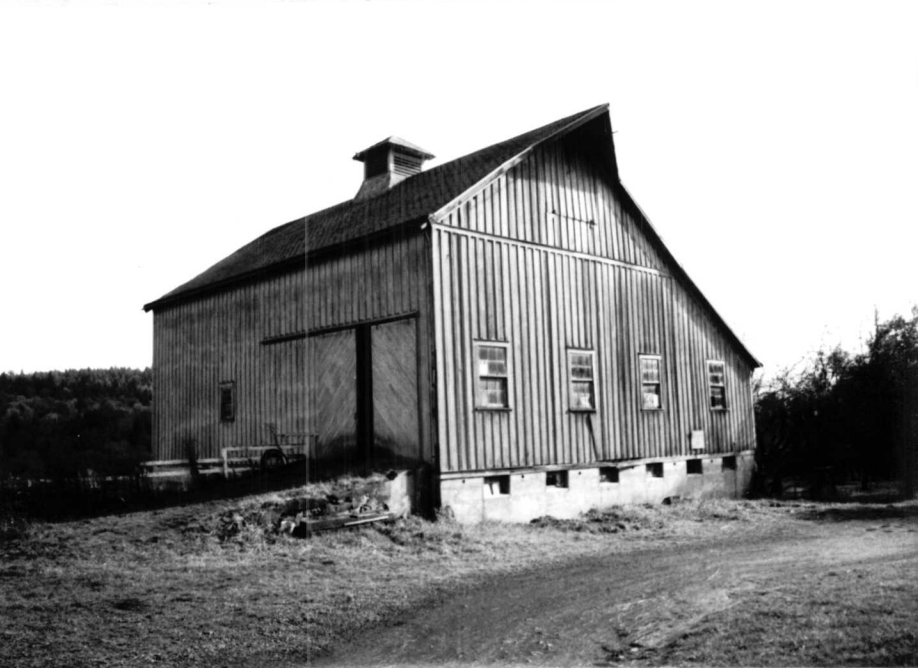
<point>507,327</point>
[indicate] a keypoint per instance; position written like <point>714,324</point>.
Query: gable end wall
<point>521,263</point>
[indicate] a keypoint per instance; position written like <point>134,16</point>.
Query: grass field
<point>212,585</point>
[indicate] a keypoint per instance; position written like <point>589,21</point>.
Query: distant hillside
<point>59,424</point>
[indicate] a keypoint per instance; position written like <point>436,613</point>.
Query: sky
<point>774,145</point>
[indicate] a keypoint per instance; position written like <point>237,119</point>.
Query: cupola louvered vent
<point>387,164</point>
<point>406,165</point>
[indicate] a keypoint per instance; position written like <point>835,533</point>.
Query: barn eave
<point>230,283</point>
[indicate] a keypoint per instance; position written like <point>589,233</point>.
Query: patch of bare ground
<point>215,584</point>
<point>710,583</point>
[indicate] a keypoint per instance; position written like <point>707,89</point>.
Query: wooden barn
<point>508,327</point>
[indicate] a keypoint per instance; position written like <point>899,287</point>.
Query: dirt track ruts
<point>621,605</point>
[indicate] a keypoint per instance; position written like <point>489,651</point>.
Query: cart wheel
<point>273,459</point>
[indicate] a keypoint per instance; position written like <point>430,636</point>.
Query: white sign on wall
<point>697,440</point>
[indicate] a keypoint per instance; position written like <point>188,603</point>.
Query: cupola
<point>387,163</point>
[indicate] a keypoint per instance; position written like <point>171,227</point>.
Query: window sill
<point>652,410</point>
<point>493,409</point>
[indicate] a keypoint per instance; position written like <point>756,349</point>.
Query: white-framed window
<point>582,375</point>
<point>491,376</point>
<point>228,401</point>
<point>651,382</point>
<point>717,385</point>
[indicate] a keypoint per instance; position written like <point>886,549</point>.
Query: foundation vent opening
<point>497,485</point>
<point>694,467</point>
<point>556,479</point>
<point>655,470</point>
<point>729,463</point>
<point>608,474</point>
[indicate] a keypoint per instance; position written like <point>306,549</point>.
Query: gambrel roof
<point>432,192</point>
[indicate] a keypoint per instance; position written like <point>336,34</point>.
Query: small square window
<point>651,383</point>
<point>497,485</point>
<point>608,474</point>
<point>582,393</point>
<point>694,467</point>
<point>228,401</point>
<point>556,479</point>
<point>492,376</point>
<point>655,470</point>
<point>717,384</point>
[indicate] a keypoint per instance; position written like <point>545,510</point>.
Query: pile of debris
<point>304,516</point>
<point>347,501</point>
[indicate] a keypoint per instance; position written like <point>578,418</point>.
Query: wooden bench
<point>163,467</point>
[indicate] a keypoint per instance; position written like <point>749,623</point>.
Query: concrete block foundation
<point>523,495</point>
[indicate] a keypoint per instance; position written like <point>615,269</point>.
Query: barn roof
<point>412,199</point>
<point>434,191</point>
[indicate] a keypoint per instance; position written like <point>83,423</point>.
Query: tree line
<point>62,425</point>
<point>845,416</point>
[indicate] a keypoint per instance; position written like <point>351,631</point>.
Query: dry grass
<point>851,617</point>
<point>173,587</point>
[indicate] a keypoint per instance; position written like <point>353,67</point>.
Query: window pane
<point>718,397</point>
<point>650,370</point>
<point>492,361</point>
<point>496,368</point>
<point>582,395</point>
<point>651,396</point>
<point>585,372</point>
<point>492,392</point>
<point>581,380</point>
<point>497,353</point>
<point>716,373</point>
<point>492,376</point>
<point>581,359</point>
<point>227,402</point>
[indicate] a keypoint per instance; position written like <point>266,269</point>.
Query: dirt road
<point>640,606</point>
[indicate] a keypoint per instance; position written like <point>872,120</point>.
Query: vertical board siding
<point>552,303</point>
<point>543,302</point>
<point>200,343</point>
<point>559,198</point>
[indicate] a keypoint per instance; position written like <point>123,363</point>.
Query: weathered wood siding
<point>508,269</point>
<point>558,198</point>
<point>368,281</point>
<point>199,344</point>
<point>371,282</point>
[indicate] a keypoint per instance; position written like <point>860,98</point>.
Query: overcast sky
<point>773,145</point>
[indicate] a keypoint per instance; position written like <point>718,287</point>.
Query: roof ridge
<point>567,120</point>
